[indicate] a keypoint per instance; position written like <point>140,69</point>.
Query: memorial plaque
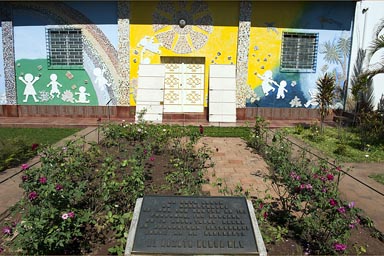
<point>194,225</point>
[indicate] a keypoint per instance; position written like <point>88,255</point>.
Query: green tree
<point>325,88</point>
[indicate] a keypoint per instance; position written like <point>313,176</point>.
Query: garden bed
<point>84,200</point>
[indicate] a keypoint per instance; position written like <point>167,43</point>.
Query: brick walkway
<point>237,170</point>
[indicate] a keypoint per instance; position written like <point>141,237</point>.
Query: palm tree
<point>338,53</point>
<point>324,97</point>
<point>362,88</point>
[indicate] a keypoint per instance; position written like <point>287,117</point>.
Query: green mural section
<point>38,85</point>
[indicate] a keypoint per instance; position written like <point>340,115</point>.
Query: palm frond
<point>344,45</point>
<point>379,28</point>
<point>330,51</point>
<point>377,44</point>
<point>357,79</point>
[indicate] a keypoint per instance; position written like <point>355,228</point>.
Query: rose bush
<point>78,198</point>
<point>307,198</point>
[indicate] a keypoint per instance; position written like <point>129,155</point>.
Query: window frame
<point>69,57</point>
<point>292,52</point>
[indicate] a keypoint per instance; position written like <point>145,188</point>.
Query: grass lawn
<point>16,143</point>
<point>343,144</point>
<point>37,135</point>
<point>212,131</point>
<point>378,177</point>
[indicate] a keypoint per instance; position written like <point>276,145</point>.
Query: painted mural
<point>95,83</point>
<point>3,98</point>
<point>274,88</point>
<point>155,32</point>
<point>207,33</point>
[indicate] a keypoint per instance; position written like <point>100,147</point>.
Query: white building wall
<point>368,16</point>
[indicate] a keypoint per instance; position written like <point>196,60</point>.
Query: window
<point>299,52</point>
<point>65,48</point>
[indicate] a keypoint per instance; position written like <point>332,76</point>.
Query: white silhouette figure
<point>281,91</point>
<point>29,90</point>
<point>267,81</point>
<point>312,101</point>
<point>54,85</point>
<point>82,95</point>
<point>148,45</point>
<point>100,80</point>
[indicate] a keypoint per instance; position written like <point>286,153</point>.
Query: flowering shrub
<point>76,199</point>
<point>308,199</point>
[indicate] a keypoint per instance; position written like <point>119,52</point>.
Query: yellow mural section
<point>215,38</point>
<point>269,20</point>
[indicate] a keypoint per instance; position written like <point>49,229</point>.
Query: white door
<point>222,93</point>
<point>183,87</point>
<point>150,92</point>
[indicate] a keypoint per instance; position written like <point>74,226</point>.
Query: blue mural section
<point>333,23</point>
<point>39,84</point>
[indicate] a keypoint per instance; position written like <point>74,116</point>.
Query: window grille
<point>299,51</point>
<point>65,47</point>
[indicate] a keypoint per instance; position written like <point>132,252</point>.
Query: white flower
<point>64,216</point>
<point>366,155</point>
<point>164,130</point>
<point>295,102</point>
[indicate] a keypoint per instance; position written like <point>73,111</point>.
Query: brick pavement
<point>237,169</point>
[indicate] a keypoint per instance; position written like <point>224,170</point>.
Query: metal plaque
<point>194,225</point>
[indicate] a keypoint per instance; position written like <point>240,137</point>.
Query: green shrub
<point>308,200</point>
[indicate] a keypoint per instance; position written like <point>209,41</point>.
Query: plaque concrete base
<point>194,226</point>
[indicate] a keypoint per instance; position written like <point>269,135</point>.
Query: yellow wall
<point>220,48</point>
<point>269,19</point>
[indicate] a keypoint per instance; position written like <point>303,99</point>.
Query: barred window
<point>299,51</point>
<point>65,47</point>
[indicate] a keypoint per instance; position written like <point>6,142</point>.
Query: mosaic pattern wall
<point>36,83</point>
<point>8,62</point>
<point>243,91</point>
<point>3,98</point>
<point>124,91</point>
<point>274,88</point>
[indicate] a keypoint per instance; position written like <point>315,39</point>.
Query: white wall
<point>368,15</point>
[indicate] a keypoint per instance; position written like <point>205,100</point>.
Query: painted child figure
<point>267,81</point>
<point>29,90</point>
<point>281,91</point>
<point>312,101</point>
<point>100,80</point>
<point>54,85</point>
<point>82,95</point>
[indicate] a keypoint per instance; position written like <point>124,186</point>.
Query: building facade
<point>222,61</point>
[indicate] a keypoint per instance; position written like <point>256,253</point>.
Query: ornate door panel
<point>184,87</point>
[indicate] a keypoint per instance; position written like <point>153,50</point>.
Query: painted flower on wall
<point>182,26</point>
